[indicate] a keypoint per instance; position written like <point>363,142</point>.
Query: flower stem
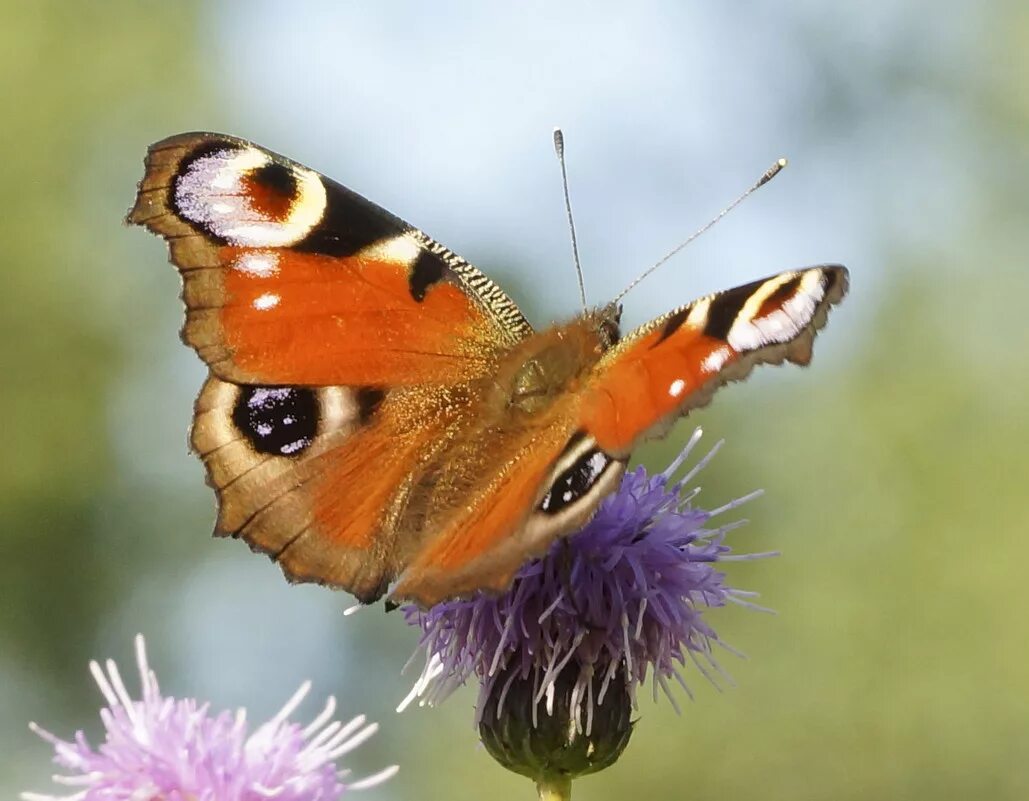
<point>555,788</point>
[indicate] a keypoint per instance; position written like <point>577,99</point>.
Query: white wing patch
<point>260,264</point>
<point>403,249</point>
<point>750,332</point>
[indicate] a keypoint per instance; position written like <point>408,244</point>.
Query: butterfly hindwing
<point>541,480</point>
<point>317,478</point>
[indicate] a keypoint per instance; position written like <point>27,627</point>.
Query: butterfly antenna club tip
<point>767,176</point>
<point>771,172</point>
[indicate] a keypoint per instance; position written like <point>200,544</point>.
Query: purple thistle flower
<point>605,608</point>
<point>175,749</point>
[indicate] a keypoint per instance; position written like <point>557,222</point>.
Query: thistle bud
<point>577,724</point>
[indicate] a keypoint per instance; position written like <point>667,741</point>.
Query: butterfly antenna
<point>770,173</point>
<point>559,148</point>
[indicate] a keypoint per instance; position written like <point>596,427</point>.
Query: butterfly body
<point>378,410</point>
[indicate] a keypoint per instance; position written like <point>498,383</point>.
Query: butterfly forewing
<point>291,278</point>
<point>675,363</point>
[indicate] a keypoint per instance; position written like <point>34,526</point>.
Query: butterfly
<point>379,412</point>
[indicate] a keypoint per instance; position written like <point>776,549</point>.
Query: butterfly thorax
<point>553,362</point>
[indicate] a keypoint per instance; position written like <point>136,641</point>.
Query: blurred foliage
<point>78,82</point>
<point>897,665</point>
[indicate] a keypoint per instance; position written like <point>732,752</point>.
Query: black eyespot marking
<point>426,271</point>
<point>368,400</point>
<point>277,178</point>
<point>673,324</point>
<point>575,482</point>
<point>271,191</point>
<point>281,421</point>
<point>726,307</point>
<point>575,439</point>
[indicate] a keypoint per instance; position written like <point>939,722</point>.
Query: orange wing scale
<point>491,518</point>
<point>648,383</point>
<point>290,278</point>
<point>350,537</point>
<point>327,320</point>
<point>479,546</point>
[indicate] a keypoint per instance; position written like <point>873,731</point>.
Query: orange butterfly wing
<point>291,278</point>
<point>320,492</point>
<point>675,363</point>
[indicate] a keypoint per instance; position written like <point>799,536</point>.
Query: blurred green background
<point>895,468</point>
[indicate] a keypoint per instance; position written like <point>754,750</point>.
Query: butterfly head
<point>608,319</point>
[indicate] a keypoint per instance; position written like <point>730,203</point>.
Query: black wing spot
<point>280,421</point>
<point>673,324</point>
<point>725,308</point>
<point>830,277</point>
<point>368,401</point>
<point>426,271</point>
<point>575,482</point>
<point>349,224</point>
<point>277,178</point>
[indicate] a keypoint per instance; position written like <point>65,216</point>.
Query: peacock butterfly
<point>378,410</point>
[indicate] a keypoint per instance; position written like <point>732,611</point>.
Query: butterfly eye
<point>607,325</point>
<point>610,333</point>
